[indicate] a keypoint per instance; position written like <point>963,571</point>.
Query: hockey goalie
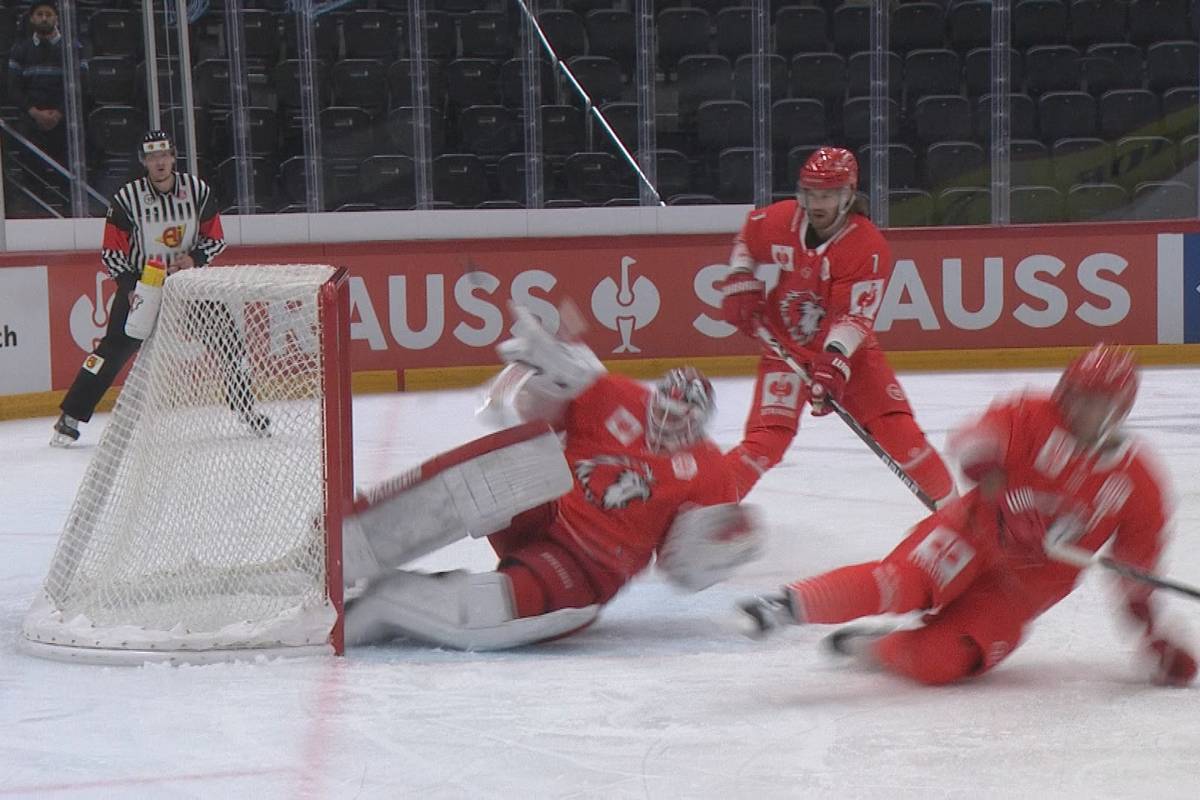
<point>600,476</point>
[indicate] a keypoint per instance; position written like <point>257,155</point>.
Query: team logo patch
<point>780,390</point>
<point>172,237</point>
<point>802,313</point>
<point>93,363</point>
<point>895,392</point>
<point>623,425</point>
<point>684,466</point>
<point>783,255</point>
<point>612,482</point>
<point>865,297</point>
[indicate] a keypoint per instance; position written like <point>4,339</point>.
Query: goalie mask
<point>1096,392</point>
<point>678,410</point>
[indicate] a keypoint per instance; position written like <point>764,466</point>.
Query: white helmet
<point>679,409</point>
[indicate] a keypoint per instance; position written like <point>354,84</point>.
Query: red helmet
<point>830,168</point>
<point>1106,370</point>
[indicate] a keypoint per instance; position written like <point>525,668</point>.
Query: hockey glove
<point>743,298</point>
<point>830,372</point>
<point>1034,522</point>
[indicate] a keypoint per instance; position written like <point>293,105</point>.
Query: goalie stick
<point>782,354</point>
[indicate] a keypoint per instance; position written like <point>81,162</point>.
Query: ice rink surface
<point>659,699</point>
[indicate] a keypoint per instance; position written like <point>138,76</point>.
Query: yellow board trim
<point>42,404</point>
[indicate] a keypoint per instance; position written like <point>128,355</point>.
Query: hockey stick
<point>1077,556</point>
<point>783,355</point>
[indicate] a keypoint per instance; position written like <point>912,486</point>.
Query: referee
<point>171,215</point>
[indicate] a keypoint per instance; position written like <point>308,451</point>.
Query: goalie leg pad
<point>457,609</point>
<point>475,489</point>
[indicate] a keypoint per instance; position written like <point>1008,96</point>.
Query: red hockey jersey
<point>1118,491</point>
<point>626,496</point>
<point>835,287</point>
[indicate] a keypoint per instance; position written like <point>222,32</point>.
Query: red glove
<point>1031,520</point>
<point>1174,665</point>
<point>829,372</point>
<point>743,298</point>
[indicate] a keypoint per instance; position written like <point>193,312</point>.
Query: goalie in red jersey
<point>1053,472</point>
<point>633,479</point>
<point>833,267</point>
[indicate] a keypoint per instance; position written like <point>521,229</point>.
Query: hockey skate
<point>854,641</point>
<point>257,422</point>
<point>66,431</point>
<point>766,614</point>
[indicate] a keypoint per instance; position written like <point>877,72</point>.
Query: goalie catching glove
<point>706,545</point>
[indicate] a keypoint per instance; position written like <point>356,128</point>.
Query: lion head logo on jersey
<point>614,481</point>
<point>172,236</point>
<point>802,313</point>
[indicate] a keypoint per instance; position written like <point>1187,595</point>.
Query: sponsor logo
<point>865,297</point>
<point>784,255</point>
<point>8,337</point>
<point>613,482</point>
<point>93,363</point>
<point>172,237</point>
<point>89,317</point>
<point>626,307</point>
<point>684,466</point>
<point>895,392</point>
<point>781,390</point>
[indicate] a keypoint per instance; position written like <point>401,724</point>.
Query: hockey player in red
<point>833,267</point>
<point>1053,473</point>
<point>639,480</point>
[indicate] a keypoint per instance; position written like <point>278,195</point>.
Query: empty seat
<point>360,82</point>
<point>1082,160</point>
<point>819,75</point>
<point>346,131</point>
<point>116,130</point>
<point>1141,159</point>
<point>1156,20</point>
<point>1163,200</point>
<point>969,24</point>
<point>856,120</point>
<point>1029,163</point>
<point>565,31</point>
<point>909,208</point>
<point>1035,204</point>
<point>109,80</point>
<point>599,76</point>
<point>1050,68</point>
<point>1112,66</point>
<point>916,26</point>
<point>400,82</point>
<point>485,34</point>
<point>1039,22</point>
<point>1022,117</point>
<point>942,117</point>
<point>286,79</point>
<point>743,77</point>
<point>388,181</point>
<point>674,173</point>
<point>115,32</point>
<point>440,35</point>
<point>977,70</point>
<point>325,35</point>
<point>512,81</point>
<point>472,82</point>
<point>800,29</point>
<point>260,34</point>
<point>610,33</point>
<point>261,174</point>
<point>562,129</point>
<point>370,34</point>
<point>955,164</point>
<point>1180,108</point>
<point>930,72</point>
<point>594,177</point>
<point>693,199</point>
<point>1096,21</point>
<point>210,82</point>
<point>489,130</point>
<point>852,28</point>
<point>702,78</point>
<point>622,118</point>
<point>902,166</point>
<point>1098,201</point>
<point>1063,115</point>
<point>721,124</point>
<point>401,131</point>
<point>510,177</point>
<point>858,74</point>
<point>460,179</point>
<point>964,206</point>
<point>1170,64</point>
<point>681,31</point>
<point>797,121</point>
<point>1126,111</point>
<point>735,175</point>
<point>732,28</point>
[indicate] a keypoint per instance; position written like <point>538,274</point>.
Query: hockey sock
<point>837,596</point>
<point>904,441</point>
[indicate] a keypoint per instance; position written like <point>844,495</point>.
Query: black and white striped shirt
<point>144,222</point>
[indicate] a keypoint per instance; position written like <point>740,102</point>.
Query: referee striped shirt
<point>144,222</point>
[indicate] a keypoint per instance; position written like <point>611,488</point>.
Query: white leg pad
<point>474,490</point>
<point>462,610</point>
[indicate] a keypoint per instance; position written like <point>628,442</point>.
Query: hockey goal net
<point>208,523</point>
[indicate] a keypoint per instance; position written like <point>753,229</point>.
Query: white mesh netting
<point>199,524</point>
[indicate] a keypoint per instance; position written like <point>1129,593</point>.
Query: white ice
<point>658,700</point>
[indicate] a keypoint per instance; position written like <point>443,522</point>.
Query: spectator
<point>35,81</point>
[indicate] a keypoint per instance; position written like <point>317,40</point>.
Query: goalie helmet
<point>678,409</point>
<point>1105,378</point>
